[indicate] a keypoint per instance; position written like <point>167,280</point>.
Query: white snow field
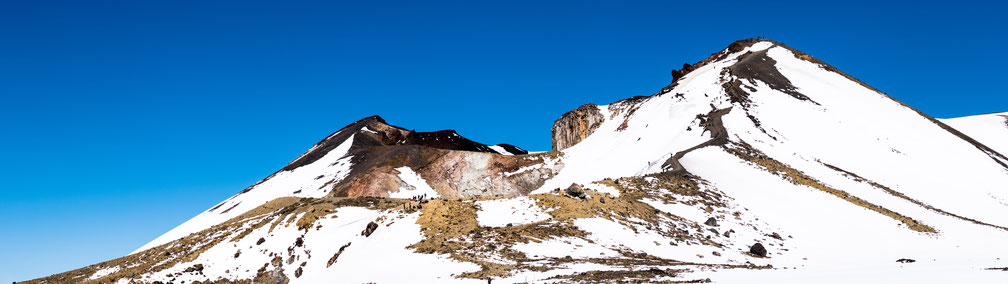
<point>990,129</point>
<point>837,180</point>
<point>513,211</point>
<point>381,257</point>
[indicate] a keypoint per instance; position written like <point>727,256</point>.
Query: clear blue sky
<point>121,120</point>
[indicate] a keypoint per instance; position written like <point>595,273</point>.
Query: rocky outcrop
<point>451,173</point>
<point>374,131</point>
<point>758,66</point>
<point>272,273</point>
<point>736,46</point>
<point>576,125</point>
<point>466,174</point>
<point>337,254</point>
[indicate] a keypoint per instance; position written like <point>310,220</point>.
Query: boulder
<point>758,250</point>
<point>371,227</point>
<point>711,222</point>
<point>575,191</point>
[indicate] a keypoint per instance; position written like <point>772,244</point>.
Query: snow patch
<point>602,188</point>
<point>500,150</point>
<point>103,272</point>
<point>416,185</point>
<point>515,211</point>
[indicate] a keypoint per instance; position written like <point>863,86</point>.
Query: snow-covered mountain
<point>757,164</point>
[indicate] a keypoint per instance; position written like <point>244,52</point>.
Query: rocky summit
<point>759,163</point>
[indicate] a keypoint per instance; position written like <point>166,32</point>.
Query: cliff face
<point>576,125</point>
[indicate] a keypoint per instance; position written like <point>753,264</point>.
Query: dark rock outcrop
<point>736,46</point>
<point>757,66</point>
<point>686,68</point>
<point>336,255</point>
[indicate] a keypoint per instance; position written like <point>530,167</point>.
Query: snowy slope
<point>305,181</point>
<point>844,124</point>
<point>990,129</point>
<point>842,129</point>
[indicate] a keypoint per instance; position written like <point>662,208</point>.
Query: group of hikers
<point>421,199</point>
